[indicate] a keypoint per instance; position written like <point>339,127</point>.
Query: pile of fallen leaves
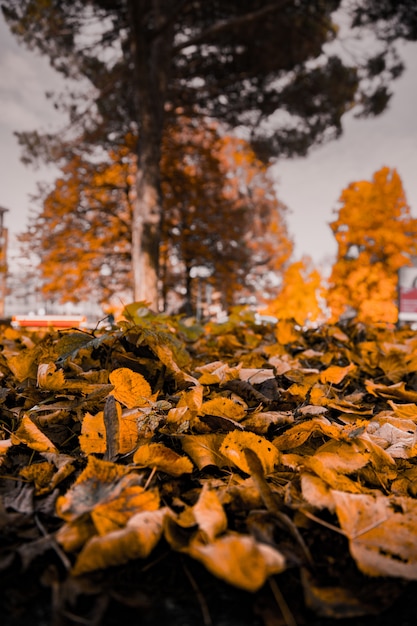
<point>161,461</point>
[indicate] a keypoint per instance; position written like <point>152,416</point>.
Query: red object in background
<point>408,300</point>
<point>49,321</point>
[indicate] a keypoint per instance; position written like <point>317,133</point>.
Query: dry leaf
<point>49,377</point>
<point>223,407</point>
<point>239,560</point>
<point>204,449</point>
<point>135,541</point>
<point>29,434</point>
<point>381,532</point>
<point>163,458</point>
<point>130,388</point>
<point>233,448</point>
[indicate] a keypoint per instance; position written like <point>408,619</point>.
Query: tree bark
<point>151,48</point>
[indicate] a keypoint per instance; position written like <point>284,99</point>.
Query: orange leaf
<point>239,560</point>
<point>49,378</point>
<point>114,513</point>
<point>163,458</point>
<point>29,434</point>
<point>233,448</point>
<point>204,449</point>
<point>96,483</point>
<point>135,541</point>
<point>223,407</point>
<point>130,388</point>
<point>381,532</point>
<point>335,374</point>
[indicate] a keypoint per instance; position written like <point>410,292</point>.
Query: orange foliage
<point>220,213</point>
<point>299,295</point>
<point>82,234</point>
<point>376,235</point>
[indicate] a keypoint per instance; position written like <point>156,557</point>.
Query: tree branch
<point>224,25</point>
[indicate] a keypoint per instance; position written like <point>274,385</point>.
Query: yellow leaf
<point>223,407</point>
<point>163,458</point>
<point>5,444</point>
<point>233,448</point>
<point>298,434</point>
<point>316,492</point>
<point>192,399</point>
<point>73,535</point>
<point>29,434</point>
<point>343,457</point>
<point>216,372</point>
<point>130,388</point>
<point>397,391</point>
<point>239,560</point>
<point>135,541</point>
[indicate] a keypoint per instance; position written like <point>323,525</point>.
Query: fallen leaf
<point>239,560</point>
<point>233,448</point>
<point>135,541</point>
<point>29,434</point>
<point>381,532</point>
<point>163,458</point>
<point>223,407</point>
<point>130,388</point>
<point>204,449</point>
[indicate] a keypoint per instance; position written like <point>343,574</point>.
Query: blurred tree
<point>263,65</point>
<point>376,235</point>
<point>221,217</point>
<point>299,297</point>
<point>82,236</point>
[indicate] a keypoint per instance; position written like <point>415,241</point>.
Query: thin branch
<point>225,25</point>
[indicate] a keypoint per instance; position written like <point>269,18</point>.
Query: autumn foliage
<point>221,215</point>
<point>376,236</point>
<point>263,453</point>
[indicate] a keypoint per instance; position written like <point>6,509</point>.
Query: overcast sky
<point>310,187</point>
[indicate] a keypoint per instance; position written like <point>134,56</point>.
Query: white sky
<point>310,186</point>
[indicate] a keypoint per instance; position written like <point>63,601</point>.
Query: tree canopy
<point>221,217</point>
<point>264,66</point>
<point>376,235</point>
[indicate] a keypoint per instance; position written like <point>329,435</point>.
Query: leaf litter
<point>276,462</point>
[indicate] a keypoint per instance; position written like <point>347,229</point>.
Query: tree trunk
<point>152,44</point>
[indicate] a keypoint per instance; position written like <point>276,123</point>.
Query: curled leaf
<point>233,448</point>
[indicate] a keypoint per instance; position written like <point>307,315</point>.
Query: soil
<point>173,589</point>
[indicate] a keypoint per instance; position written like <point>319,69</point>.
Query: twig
<point>201,599</point>
<point>289,618</point>
<point>54,544</point>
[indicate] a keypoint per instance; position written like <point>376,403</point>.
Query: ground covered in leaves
<point>232,474</point>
